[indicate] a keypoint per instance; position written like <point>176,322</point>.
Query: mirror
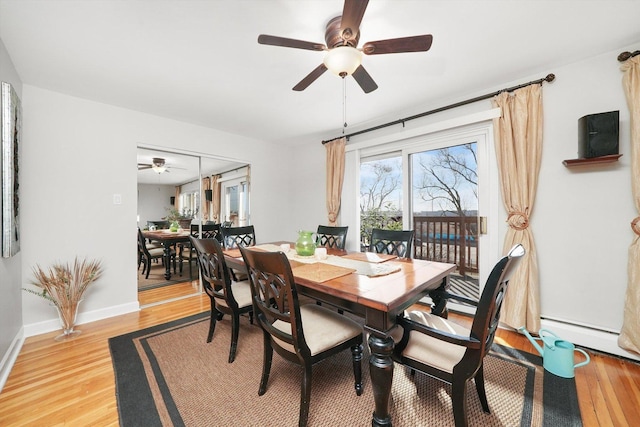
<point>183,183</point>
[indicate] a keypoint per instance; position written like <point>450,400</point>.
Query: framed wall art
<point>10,131</point>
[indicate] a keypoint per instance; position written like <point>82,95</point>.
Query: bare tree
<point>374,192</point>
<point>445,174</point>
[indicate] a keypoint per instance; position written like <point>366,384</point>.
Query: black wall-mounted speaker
<point>172,200</point>
<point>598,134</point>
<point>208,194</point>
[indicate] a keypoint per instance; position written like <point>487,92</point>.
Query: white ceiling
<point>199,61</point>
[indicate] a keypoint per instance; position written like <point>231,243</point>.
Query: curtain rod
<point>548,78</point>
<point>626,55</point>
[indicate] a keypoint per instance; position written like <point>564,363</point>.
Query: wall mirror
<point>202,189</point>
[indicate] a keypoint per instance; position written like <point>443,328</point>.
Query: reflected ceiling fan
<point>343,57</point>
<point>158,165</point>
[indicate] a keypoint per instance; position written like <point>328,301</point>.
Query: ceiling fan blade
<point>404,44</point>
<point>364,80</point>
<point>143,166</point>
<point>311,77</point>
<point>352,14</point>
<point>285,42</point>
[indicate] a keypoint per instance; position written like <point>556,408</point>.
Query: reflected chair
<point>186,251</point>
<point>452,353</point>
<point>393,242</point>
<point>226,297</point>
<point>302,334</point>
<point>331,237</point>
<point>147,254</point>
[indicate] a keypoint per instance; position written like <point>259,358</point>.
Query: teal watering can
<point>557,355</point>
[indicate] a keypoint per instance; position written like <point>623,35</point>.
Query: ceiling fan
<point>158,165</point>
<point>343,57</point>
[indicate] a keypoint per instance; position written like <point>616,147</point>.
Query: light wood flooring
<point>72,383</point>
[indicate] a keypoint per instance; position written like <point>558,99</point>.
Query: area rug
<point>156,276</point>
<point>168,375</point>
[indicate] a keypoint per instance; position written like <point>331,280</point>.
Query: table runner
<point>364,268</point>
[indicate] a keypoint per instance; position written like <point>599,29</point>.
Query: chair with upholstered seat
<point>450,352</point>
<point>232,298</point>
<point>393,242</point>
<point>147,254</point>
<point>302,334</point>
<point>331,237</point>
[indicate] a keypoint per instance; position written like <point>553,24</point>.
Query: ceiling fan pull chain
<point>344,104</point>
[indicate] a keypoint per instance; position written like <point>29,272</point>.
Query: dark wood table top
<point>366,295</point>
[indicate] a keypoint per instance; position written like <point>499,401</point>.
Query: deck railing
<point>447,239</point>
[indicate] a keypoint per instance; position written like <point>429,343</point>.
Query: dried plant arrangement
<point>63,285</point>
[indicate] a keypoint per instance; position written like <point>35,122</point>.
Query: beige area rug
<point>168,375</point>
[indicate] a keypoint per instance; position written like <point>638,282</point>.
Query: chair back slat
<point>234,237</point>
<point>331,237</point>
<point>392,242</point>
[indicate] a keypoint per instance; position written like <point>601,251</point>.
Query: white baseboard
<point>86,317</point>
<point>9,358</point>
<point>606,342</point>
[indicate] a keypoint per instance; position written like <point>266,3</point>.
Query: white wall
<point>153,201</point>
<point>68,188</point>
<point>10,268</point>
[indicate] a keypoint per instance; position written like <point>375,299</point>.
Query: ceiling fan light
<point>343,60</point>
<point>159,168</point>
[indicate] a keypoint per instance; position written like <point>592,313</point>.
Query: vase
<point>174,226</point>
<point>305,245</point>
<point>67,315</point>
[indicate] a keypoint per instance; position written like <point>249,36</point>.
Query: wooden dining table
<point>379,297</point>
<point>168,239</point>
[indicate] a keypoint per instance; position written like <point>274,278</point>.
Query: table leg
<point>167,260</point>
<point>381,369</point>
<point>438,296</point>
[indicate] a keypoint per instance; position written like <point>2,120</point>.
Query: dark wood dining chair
<point>227,297</point>
<point>186,250</point>
<point>393,242</point>
<point>302,334</point>
<point>148,254</point>
<point>450,352</point>
<point>331,237</point>
<point>235,237</point>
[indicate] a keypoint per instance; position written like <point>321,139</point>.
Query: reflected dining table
<point>167,238</point>
<point>376,287</point>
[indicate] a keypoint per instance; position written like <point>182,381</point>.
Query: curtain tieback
<point>518,220</point>
<point>635,226</point>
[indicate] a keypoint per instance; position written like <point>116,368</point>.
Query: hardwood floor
<point>72,383</point>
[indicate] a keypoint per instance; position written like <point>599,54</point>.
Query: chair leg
<point>458,389</point>
<point>235,329</point>
<point>482,394</point>
<point>267,356</point>
<point>212,322</point>
<point>356,352</point>
<point>148,268</point>
<point>305,395</point>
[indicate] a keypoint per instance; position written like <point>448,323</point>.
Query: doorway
<point>439,185</point>
<point>177,182</point>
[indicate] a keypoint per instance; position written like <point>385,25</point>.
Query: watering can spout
<point>524,331</point>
